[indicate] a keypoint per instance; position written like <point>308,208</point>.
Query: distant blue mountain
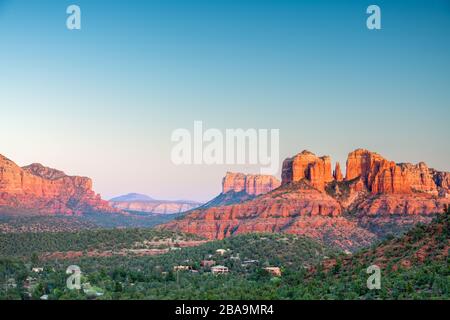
<point>135,202</point>
<point>132,197</point>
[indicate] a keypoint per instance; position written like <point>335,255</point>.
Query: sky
<point>103,101</point>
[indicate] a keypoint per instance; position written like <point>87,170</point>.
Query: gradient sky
<point>102,102</point>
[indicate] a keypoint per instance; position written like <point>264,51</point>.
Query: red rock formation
<point>396,188</point>
<point>360,162</point>
<point>337,173</point>
<point>312,202</point>
<point>402,204</point>
<point>250,184</point>
<point>39,170</point>
<point>382,176</point>
<point>238,187</point>
<point>306,165</point>
<point>442,180</point>
<point>43,190</point>
<point>286,209</point>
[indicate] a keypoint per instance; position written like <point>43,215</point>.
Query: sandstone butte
<point>239,187</point>
<point>376,197</point>
<point>38,189</point>
<point>252,184</point>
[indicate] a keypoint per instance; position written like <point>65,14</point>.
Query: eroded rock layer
<point>252,184</point>
<point>239,187</point>
<point>376,195</point>
<point>306,165</point>
<point>39,189</point>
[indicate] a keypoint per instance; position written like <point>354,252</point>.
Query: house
<point>221,251</point>
<point>275,271</point>
<point>44,297</point>
<point>37,270</point>
<point>207,263</point>
<point>219,270</point>
<point>181,268</point>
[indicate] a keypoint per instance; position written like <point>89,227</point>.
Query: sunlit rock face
<point>376,196</point>
<point>252,184</point>
<point>39,189</point>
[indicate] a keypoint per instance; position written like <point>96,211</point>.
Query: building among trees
<point>219,270</point>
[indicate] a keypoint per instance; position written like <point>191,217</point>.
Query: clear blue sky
<point>103,101</point>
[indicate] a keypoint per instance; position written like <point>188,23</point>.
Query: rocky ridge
<point>38,189</point>
<point>375,197</point>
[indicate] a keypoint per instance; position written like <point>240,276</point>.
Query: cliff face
<point>306,165</point>
<point>382,176</point>
<point>395,188</point>
<point>249,183</point>
<point>442,180</point>
<point>239,187</point>
<point>44,190</point>
<point>295,208</point>
<point>314,202</point>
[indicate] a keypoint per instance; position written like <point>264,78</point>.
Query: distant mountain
<point>377,197</point>
<point>141,203</point>
<point>132,197</point>
<point>41,190</point>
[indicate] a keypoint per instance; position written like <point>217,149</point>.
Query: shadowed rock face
<point>39,189</point>
<point>442,180</point>
<point>337,173</point>
<point>313,202</point>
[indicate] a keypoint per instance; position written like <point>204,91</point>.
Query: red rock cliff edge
<point>39,189</point>
<point>313,201</point>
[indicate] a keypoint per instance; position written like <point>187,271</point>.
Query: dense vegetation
<point>414,266</point>
<point>26,244</point>
<point>133,219</point>
<point>154,277</point>
<point>14,223</point>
